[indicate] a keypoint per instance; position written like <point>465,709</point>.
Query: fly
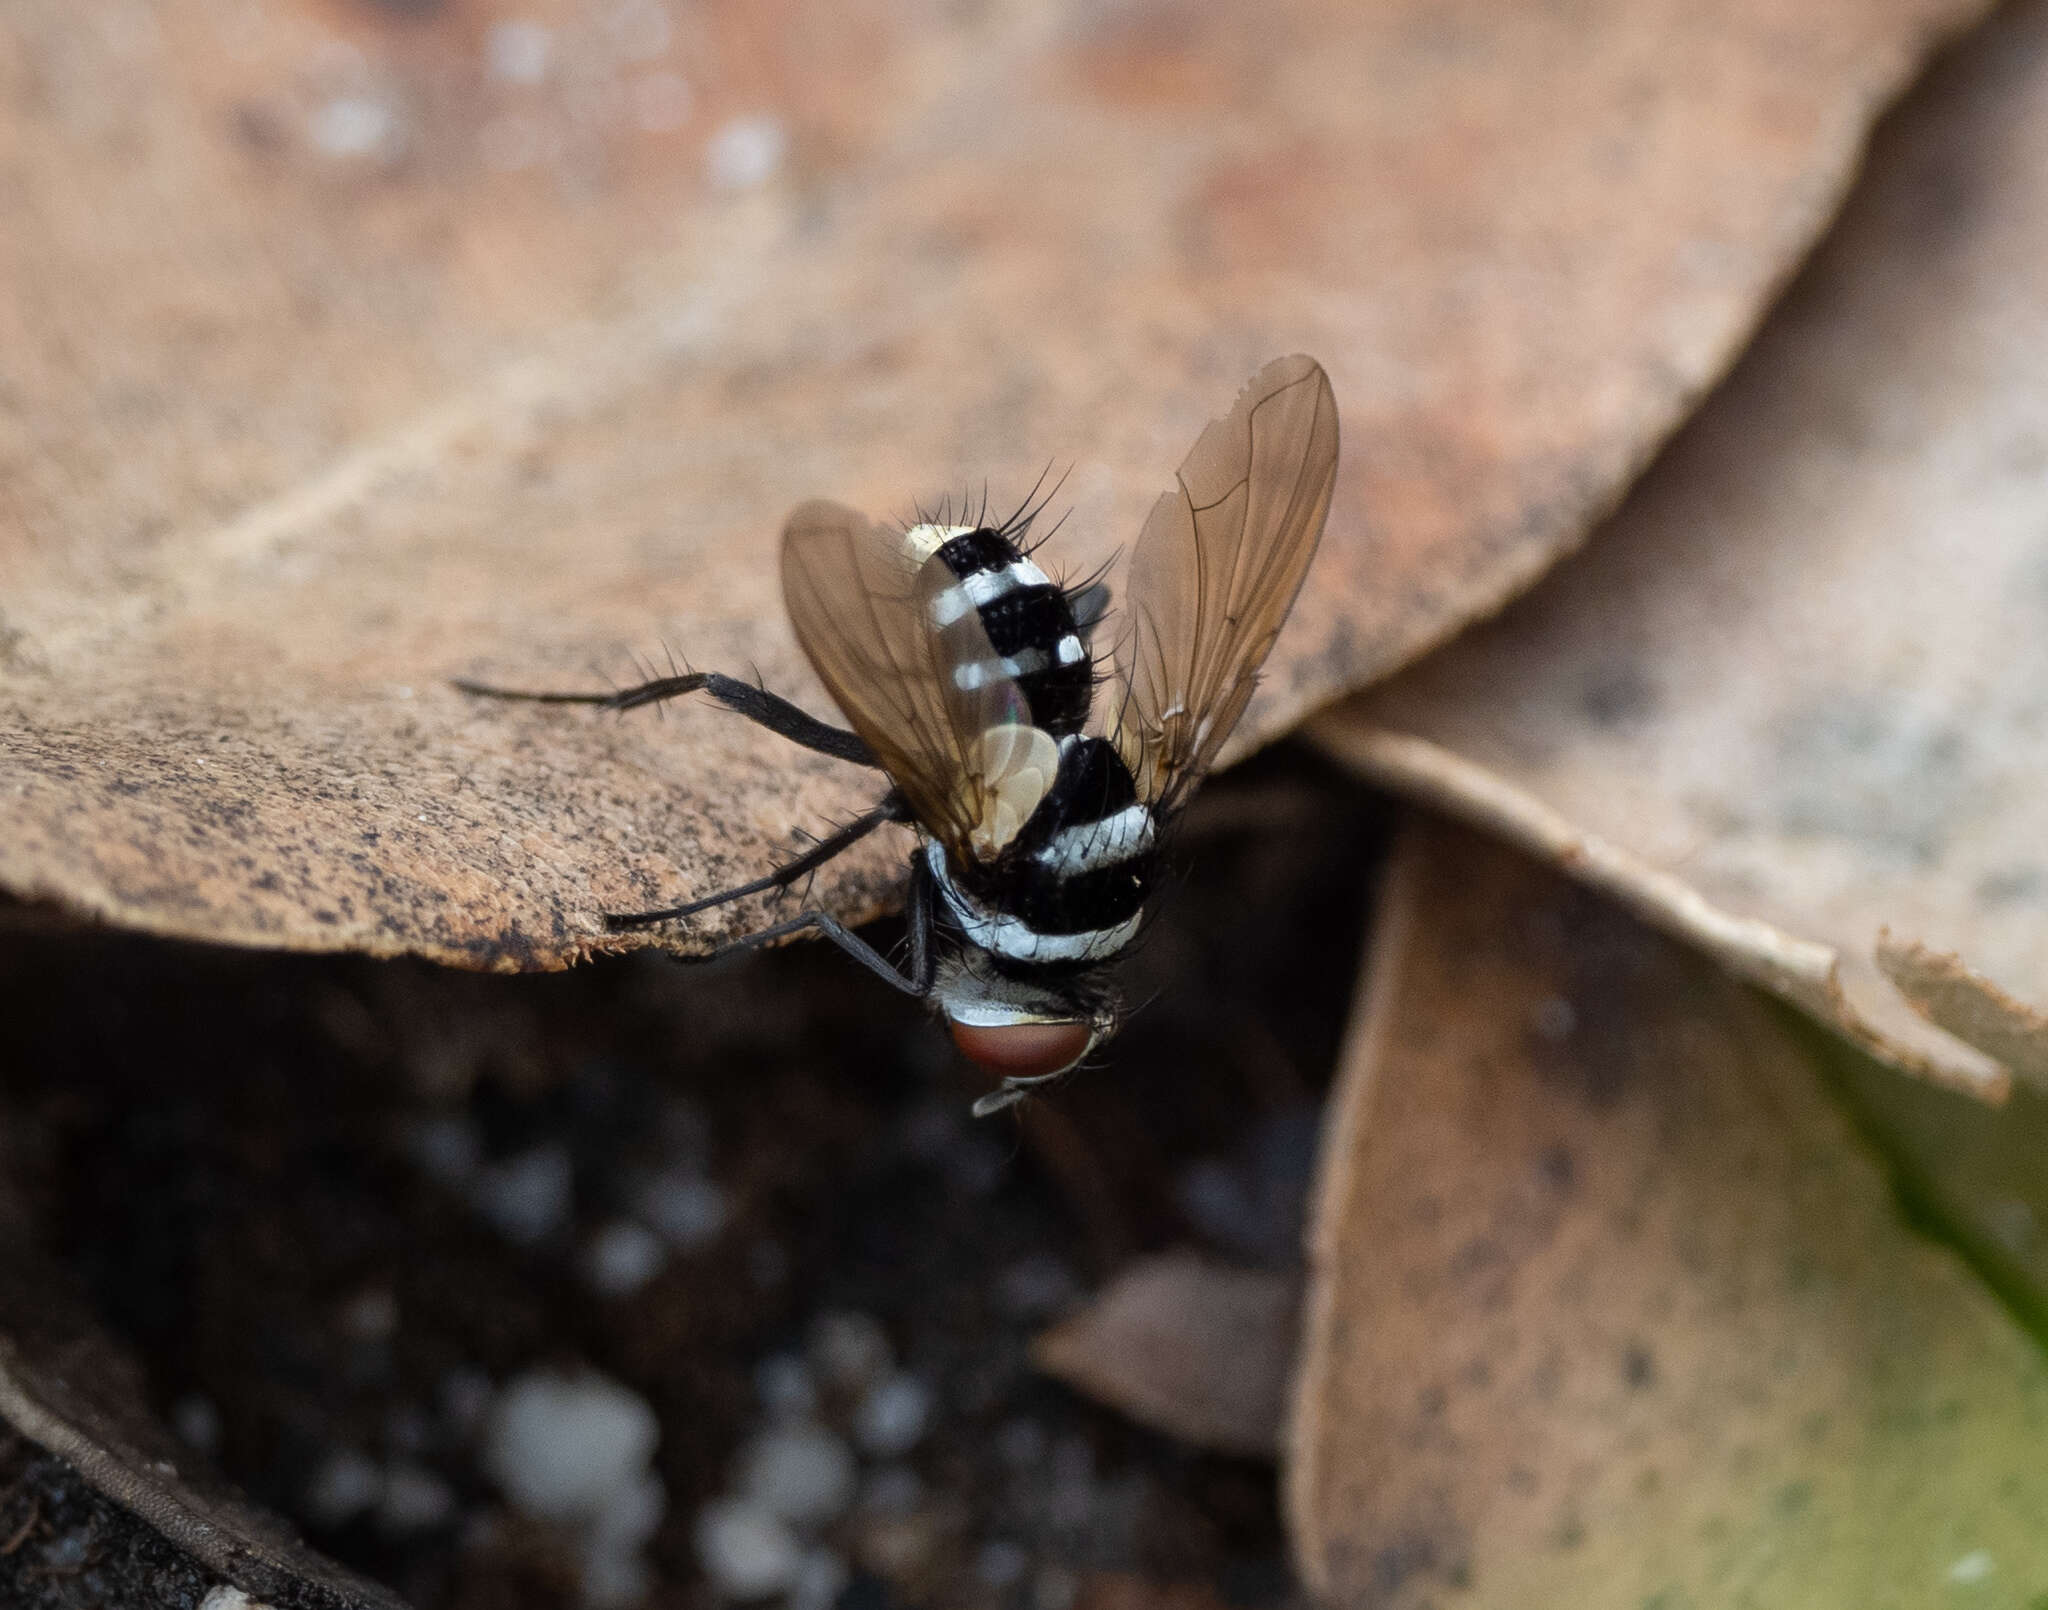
<point>968,678</point>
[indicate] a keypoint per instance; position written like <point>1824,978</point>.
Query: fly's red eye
<point>1023,1050</point>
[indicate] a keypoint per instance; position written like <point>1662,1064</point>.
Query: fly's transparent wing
<point>924,697</point>
<point>1216,569</point>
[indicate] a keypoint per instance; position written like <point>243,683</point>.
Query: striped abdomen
<point>1070,890</point>
<point>1029,622</point>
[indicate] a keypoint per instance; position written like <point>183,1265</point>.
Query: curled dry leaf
<point>355,347</point>
<point>1188,1346</point>
<point>1795,694</point>
<point>1610,1305</point>
<point>65,1387</point>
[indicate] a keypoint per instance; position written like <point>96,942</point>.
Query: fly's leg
<point>891,809</point>
<point>758,705</point>
<point>923,971</point>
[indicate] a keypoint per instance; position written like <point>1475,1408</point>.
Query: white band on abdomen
<point>1016,940</point>
<point>983,587</point>
<point>1090,845</point>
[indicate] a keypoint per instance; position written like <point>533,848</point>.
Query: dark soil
<point>236,1155</point>
<point>63,1547</point>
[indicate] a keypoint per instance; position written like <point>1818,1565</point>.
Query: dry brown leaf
<point>354,346</point>
<point>1187,1346</point>
<point>1609,1304</point>
<point>1796,692</point>
<point>69,1390</point>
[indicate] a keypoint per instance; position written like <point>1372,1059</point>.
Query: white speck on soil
<point>746,1552</point>
<point>783,1383</point>
<point>799,1473</point>
<point>574,1450</point>
<point>850,1350</point>
<point>684,1208</point>
<point>345,1485</point>
<point>526,1198</point>
<point>893,1416</point>
<point>448,1150</point>
<point>226,1597</point>
<point>563,1447</point>
<point>622,1257</point>
<point>820,1578</point>
<point>614,1571</point>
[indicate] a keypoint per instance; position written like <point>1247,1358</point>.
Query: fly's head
<point>1024,1032</point>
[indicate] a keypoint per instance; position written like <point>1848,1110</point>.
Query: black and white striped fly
<point>969,678</point>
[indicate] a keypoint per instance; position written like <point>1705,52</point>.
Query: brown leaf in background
<point>1188,1346</point>
<point>350,347</point>
<point>1610,1305</point>
<point>66,1387</point>
<point>1796,692</point>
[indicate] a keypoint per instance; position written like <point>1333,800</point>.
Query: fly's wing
<point>861,601</point>
<point>1216,569</point>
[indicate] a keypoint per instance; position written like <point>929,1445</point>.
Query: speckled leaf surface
<point>1610,1304</point>
<point>1793,699</point>
<point>353,346</point>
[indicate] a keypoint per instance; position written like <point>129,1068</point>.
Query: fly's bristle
<point>1017,526</point>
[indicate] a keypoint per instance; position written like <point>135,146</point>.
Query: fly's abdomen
<point>1029,623</point>
<point>1072,887</point>
<point>1085,860</point>
<point>1049,901</point>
